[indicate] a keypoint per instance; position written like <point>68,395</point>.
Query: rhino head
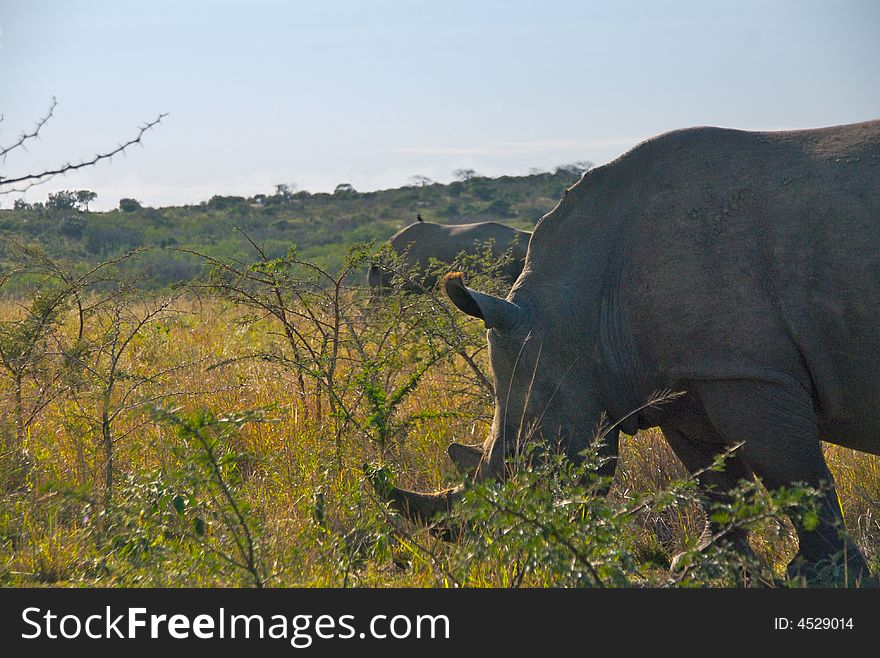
<point>378,278</point>
<point>543,393</point>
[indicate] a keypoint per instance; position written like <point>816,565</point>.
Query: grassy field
<point>218,408</point>
<point>220,437</point>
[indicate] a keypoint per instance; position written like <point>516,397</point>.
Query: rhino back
<point>712,253</point>
<point>425,240</point>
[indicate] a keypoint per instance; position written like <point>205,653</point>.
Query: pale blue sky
<point>372,92</point>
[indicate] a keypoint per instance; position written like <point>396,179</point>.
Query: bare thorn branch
<point>33,134</point>
<point>7,184</point>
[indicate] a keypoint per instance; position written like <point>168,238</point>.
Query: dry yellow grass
<point>287,464</point>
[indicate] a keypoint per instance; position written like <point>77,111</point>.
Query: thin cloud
<point>449,150</point>
<point>573,143</point>
<point>512,147</point>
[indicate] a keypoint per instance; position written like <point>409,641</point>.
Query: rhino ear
<point>495,312</point>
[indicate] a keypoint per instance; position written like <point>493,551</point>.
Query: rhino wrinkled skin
<point>742,268</point>
<point>422,241</point>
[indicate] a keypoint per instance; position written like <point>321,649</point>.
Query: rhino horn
<point>495,312</point>
<point>424,507</point>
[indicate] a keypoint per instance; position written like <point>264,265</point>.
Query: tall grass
<point>246,468</point>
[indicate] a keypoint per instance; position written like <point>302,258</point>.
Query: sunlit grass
<point>50,525</point>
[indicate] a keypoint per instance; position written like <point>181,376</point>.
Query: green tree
<point>84,198</point>
<point>62,200</point>
<point>129,205</point>
<point>464,175</point>
<point>218,202</point>
<point>420,181</point>
<point>284,192</point>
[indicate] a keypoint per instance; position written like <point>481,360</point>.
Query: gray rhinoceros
<point>422,241</point>
<point>742,268</point>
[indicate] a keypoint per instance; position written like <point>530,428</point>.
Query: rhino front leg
<point>779,430</point>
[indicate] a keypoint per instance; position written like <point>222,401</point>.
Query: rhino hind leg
<point>698,448</point>
<point>778,427</point>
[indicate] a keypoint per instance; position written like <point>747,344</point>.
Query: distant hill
<point>322,226</point>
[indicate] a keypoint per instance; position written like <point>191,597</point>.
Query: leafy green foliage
<point>204,507</point>
<point>383,405</point>
<point>323,226</point>
<point>129,205</point>
<point>551,523</point>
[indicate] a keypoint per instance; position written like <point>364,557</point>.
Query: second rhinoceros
<point>742,268</point>
<point>422,242</point>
